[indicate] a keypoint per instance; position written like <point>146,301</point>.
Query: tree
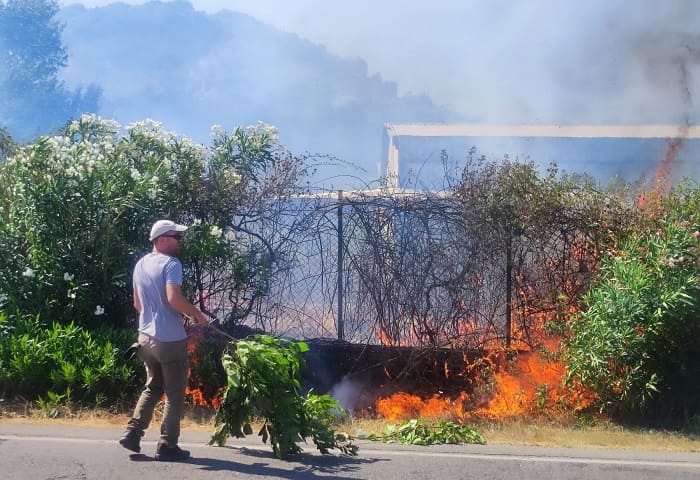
<point>7,146</point>
<point>34,101</point>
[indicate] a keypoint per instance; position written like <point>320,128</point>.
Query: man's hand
<point>201,319</point>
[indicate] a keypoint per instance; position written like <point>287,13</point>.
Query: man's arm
<point>178,301</point>
<point>137,301</point>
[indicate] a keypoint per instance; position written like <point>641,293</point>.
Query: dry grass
<point>23,412</point>
<point>532,432</point>
<point>602,434</point>
<point>538,432</point>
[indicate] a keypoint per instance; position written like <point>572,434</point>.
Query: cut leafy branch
<point>264,382</point>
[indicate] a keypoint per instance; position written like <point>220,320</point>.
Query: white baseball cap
<point>162,227</point>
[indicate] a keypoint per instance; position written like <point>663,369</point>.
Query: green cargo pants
<point>166,371</point>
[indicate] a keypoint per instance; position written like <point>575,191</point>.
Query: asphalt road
<point>29,451</point>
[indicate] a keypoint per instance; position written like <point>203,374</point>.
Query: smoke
<point>670,62</point>
<point>504,61</point>
<point>527,61</point>
<point>229,69</point>
<point>348,393</point>
<point>331,75</point>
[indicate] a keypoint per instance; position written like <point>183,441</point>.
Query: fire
<point>535,384</point>
<point>384,338</point>
<point>404,405</point>
<point>532,384</point>
<point>197,392</point>
<point>528,379</point>
<point>200,400</point>
<point>663,172</point>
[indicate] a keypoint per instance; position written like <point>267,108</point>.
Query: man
<point>162,345</point>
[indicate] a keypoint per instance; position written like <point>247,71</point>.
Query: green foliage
<point>7,146</point>
<point>64,363</point>
<point>264,381</point>
<point>636,339</point>
<point>75,211</point>
<point>417,432</point>
<point>51,406</point>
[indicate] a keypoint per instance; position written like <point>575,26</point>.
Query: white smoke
<point>347,392</point>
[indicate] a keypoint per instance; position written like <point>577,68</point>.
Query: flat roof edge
<point>552,131</point>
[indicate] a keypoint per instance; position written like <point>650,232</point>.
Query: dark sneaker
<point>166,453</point>
<point>131,440</point>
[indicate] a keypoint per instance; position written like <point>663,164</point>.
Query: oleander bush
<point>75,212</point>
<point>635,343</point>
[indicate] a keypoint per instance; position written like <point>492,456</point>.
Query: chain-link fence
<point>412,269</point>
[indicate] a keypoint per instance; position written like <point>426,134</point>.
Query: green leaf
<point>264,382</point>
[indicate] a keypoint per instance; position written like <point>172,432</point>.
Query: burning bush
<point>504,384</point>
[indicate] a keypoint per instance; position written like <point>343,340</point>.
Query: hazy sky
<point>534,61</point>
<point>514,61</point>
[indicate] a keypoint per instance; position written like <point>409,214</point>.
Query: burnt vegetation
<point>430,282</point>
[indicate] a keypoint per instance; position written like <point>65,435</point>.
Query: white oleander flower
<point>217,131</point>
<point>99,310</point>
<point>215,231</point>
<point>29,273</point>
<point>68,277</point>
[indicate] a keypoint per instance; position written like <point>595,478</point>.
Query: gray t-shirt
<point>158,319</point>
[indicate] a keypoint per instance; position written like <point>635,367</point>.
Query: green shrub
<point>75,211</point>
<point>635,343</point>
<point>65,362</point>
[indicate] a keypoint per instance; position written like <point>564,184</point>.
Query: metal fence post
<point>341,325</point>
<point>509,287</point>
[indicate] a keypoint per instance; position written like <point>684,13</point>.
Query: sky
<point>510,61</point>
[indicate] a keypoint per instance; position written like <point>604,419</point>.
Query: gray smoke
<point>333,74</point>
<point>671,62</point>
<point>347,392</point>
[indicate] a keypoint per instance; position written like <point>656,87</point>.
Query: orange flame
<point>402,406</point>
<point>195,392</point>
<point>534,384</point>
<point>200,400</point>
<point>662,183</point>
